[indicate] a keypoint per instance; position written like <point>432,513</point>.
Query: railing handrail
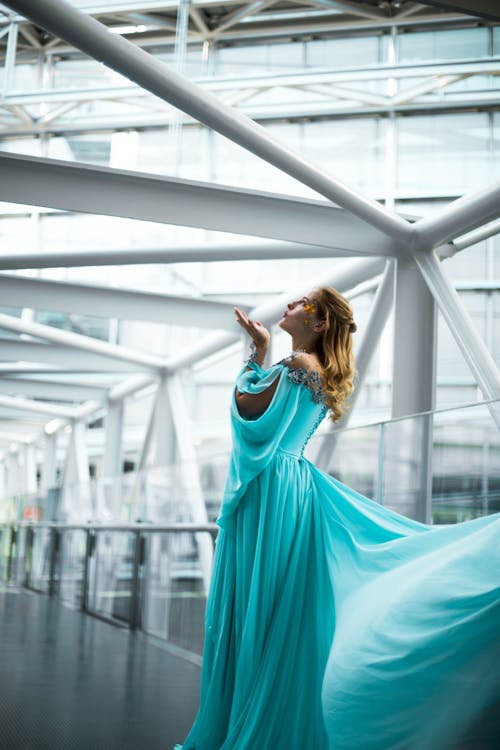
<point>319,435</point>
<point>421,414</point>
<point>96,526</point>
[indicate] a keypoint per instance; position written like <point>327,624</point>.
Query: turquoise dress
<point>332,622</point>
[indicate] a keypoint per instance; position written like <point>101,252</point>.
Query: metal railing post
<point>12,547</point>
<point>55,543</point>
<point>28,557</point>
<point>135,599</point>
<point>89,551</point>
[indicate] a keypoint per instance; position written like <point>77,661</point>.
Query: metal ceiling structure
<point>408,253</point>
<point>152,26</point>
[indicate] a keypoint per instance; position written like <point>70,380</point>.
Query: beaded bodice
<point>306,422</point>
<point>310,378</point>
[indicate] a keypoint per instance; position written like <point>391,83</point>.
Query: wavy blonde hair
<point>334,349</point>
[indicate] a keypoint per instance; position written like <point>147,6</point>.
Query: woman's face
<point>297,311</point>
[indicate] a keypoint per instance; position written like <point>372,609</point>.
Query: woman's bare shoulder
<point>304,360</point>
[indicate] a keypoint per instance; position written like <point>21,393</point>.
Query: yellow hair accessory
<point>310,308</point>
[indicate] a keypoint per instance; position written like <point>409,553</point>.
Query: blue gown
<point>332,622</point>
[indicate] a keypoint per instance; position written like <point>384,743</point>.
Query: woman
<point>331,621</point>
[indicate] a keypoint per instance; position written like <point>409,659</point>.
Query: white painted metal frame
<point>340,92</point>
<point>397,236</point>
<point>94,39</point>
<point>116,192</point>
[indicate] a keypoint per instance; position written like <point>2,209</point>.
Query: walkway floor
<point>69,681</point>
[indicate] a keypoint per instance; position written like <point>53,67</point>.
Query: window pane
<point>469,264</point>
<point>444,154</point>
<point>258,58</point>
<point>451,44</point>
<point>343,53</point>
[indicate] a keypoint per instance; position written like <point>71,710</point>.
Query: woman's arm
<point>253,404</point>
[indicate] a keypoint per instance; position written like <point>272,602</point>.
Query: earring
<point>306,322</point>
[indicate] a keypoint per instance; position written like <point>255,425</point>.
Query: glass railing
<point>128,550</point>
<point>441,466</point>
<point>135,575</point>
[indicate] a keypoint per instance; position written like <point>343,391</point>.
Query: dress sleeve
<point>255,439</point>
<point>257,379</point>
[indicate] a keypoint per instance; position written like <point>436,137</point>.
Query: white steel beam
<point>194,254</point>
<point>125,304</point>
<point>328,106</point>
<point>116,192</point>
<point>488,9</point>
<point>471,344</point>
<point>25,31</point>
<point>127,7</point>
<point>284,24</point>
<point>15,437</point>
<point>356,9</point>
<point>55,389</point>
<point>199,21</point>
<point>231,19</point>
<point>342,276</point>
<point>106,367</point>
<point>408,9</point>
<point>78,341</point>
<point>36,407</point>
<point>472,238</point>
<point>129,386</point>
<point>22,417</point>
<point>424,87</point>
<point>94,39</point>
<point>59,355</point>
<point>460,216</point>
<point>298,79</point>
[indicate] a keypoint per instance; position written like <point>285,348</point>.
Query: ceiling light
<point>128,29</point>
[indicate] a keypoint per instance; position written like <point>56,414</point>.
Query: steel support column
<point>29,470</point>
<point>408,443</point>
<point>471,344</point>
<point>415,333</point>
<point>48,478</point>
<point>76,477</point>
<point>113,447</point>
<point>10,58</point>
<point>190,484</point>
<point>165,450</point>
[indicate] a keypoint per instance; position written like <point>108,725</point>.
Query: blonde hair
<point>334,349</point>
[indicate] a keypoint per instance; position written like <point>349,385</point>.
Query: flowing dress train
<point>332,622</point>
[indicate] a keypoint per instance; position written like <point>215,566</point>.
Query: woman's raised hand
<point>254,328</point>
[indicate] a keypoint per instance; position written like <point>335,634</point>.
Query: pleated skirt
<point>269,620</point>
